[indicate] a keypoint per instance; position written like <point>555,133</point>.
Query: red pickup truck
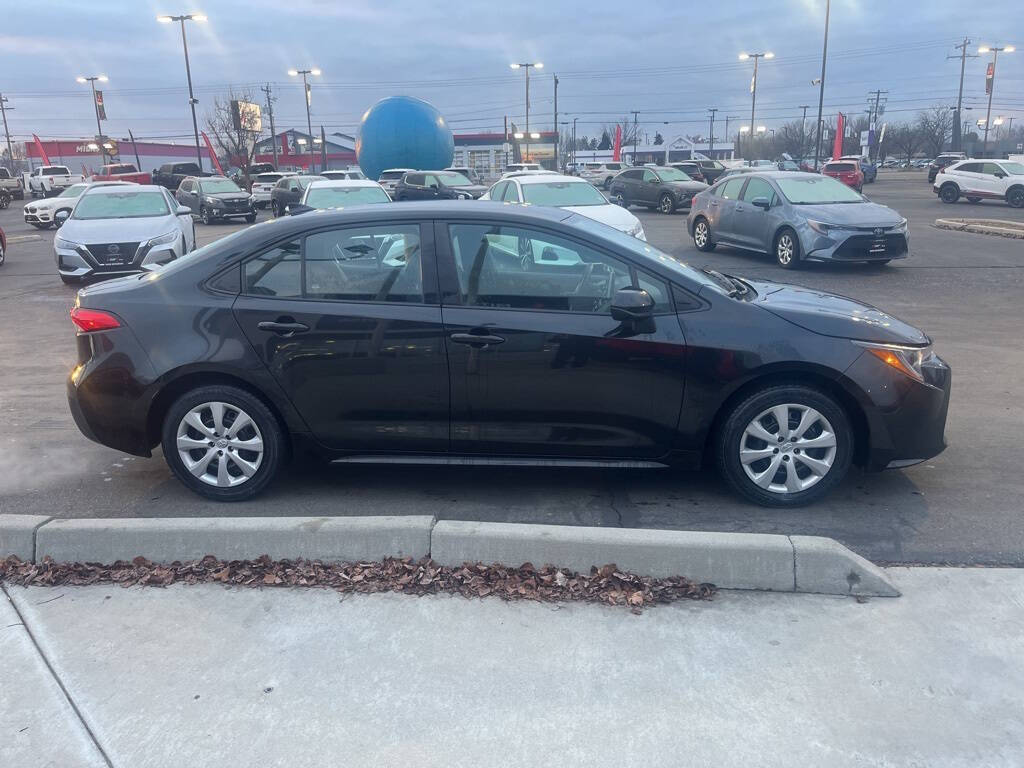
<point>123,172</point>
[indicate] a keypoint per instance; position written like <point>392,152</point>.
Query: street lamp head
<point>1009,49</point>
<point>539,65</point>
<point>744,56</point>
<point>997,121</point>
<point>80,80</point>
<point>103,78</point>
<point>301,141</point>
<point>517,135</point>
<point>197,17</point>
<point>744,129</point>
<point>164,19</point>
<point>514,66</point>
<point>769,55</point>
<point>534,135</point>
<point>293,72</point>
<point>315,72</point>
<point>984,49</point>
<point>761,129</point>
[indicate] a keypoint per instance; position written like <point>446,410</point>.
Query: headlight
<point>907,360</point>
<point>60,242</point>
<point>213,201</point>
<point>823,228</point>
<point>637,231</point>
<point>901,227</point>
<point>170,237</point>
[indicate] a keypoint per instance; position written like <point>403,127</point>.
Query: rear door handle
<point>479,340</point>
<point>283,327</point>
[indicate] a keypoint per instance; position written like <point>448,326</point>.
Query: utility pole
<point>270,110</point>
<point>964,55</point>
<point>558,165</point>
<point>821,85</point>
<point>991,86</point>
<point>636,133</point>
<point>711,140</point>
<point>871,122</point>
<point>7,133</point>
<point>803,130</point>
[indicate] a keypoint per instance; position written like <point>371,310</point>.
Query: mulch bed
<point>605,585</point>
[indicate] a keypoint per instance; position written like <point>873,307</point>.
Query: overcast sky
<point>670,60</point>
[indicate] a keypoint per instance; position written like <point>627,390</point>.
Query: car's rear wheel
<point>275,209</point>
<point>607,183</point>
<point>250,218</point>
<point>787,249</point>
<point>666,203</point>
<point>1015,197</point>
<point>702,235</point>
<point>949,192</point>
<point>785,446</point>
<point>618,198</point>
<point>222,442</point>
<point>3,255</point>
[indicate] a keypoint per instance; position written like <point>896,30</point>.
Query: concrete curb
<point>998,227</point>
<point>728,560</point>
<point>240,538</point>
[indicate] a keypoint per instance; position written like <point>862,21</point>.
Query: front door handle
<point>714,203</point>
<point>283,327</point>
<point>478,340</point>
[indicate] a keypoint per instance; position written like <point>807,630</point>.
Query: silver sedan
<point>796,217</point>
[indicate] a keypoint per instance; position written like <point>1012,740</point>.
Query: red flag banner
<point>837,145</point>
<point>42,152</point>
<point>99,105</point>
<point>989,73</point>
<point>617,149</point>
<point>215,163</point>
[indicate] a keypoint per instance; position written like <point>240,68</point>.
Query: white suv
<point>600,174</point>
<point>982,179</point>
<point>262,185</point>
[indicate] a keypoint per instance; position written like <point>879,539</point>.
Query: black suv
<point>171,175</point>
<point>707,171</point>
<point>661,187</point>
<point>215,197</point>
<point>436,185</point>
<point>943,160</point>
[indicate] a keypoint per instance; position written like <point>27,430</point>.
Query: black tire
<point>702,237</point>
<point>1015,197</point>
<point>666,203</point>
<point>787,241</point>
<point>973,199</point>
<point>3,255</point>
<point>270,430</point>
<point>619,198</point>
<point>204,216</point>
<point>250,218</point>
<point>949,192</point>
<point>66,210</point>
<point>732,434</point>
<point>607,183</point>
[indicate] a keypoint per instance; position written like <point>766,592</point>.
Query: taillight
<point>93,319</point>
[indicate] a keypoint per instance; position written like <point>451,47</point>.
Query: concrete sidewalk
<point>204,675</point>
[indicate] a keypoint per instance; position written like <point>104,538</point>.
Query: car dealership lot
<point>963,506</point>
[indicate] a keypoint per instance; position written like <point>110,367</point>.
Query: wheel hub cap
<point>787,448</point>
<point>220,444</point>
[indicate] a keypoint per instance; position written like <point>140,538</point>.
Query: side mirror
<point>434,187</point>
<point>761,202</point>
<point>632,304</point>
<point>60,217</point>
<point>298,210</point>
<point>183,210</point>
<point>194,192</point>
<point>652,181</point>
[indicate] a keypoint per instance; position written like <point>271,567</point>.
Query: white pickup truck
<point>12,184</point>
<point>49,180</point>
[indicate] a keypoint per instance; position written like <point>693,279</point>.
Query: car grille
<point>236,205</point>
<point>113,254</point>
<point>872,247</point>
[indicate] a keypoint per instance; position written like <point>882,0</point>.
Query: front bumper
<point>37,216</point>
<point>81,263</point>
<point>906,418</point>
<point>855,245</point>
<point>232,213</point>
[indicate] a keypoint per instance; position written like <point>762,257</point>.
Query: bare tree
<point>936,127</point>
<point>906,138</point>
<point>237,142</point>
<point>795,139</point>
<point>630,132</point>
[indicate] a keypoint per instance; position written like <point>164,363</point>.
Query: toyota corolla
<point>418,333</point>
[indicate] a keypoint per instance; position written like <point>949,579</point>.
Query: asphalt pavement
<point>966,506</point>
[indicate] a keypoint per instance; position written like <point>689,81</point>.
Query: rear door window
<point>364,263</point>
<point>731,188</point>
<point>277,272</point>
<point>758,187</point>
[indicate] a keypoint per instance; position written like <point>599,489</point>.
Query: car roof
<point>398,170</point>
<point>103,189</point>
<point>547,178</point>
<point>526,173</point>
<point>340,183</point>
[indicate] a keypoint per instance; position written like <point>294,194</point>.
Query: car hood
<point>853,214</point>
<point>474,189</point>
<point>117,230</point>
<point>832,315</point>
<point>687,186</point>
<point>613,215</point>
<point>51,203</point>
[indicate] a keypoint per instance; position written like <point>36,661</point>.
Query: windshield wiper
<point>732,286</point>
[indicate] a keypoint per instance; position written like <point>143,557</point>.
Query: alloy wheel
<point>785,249</point>
<point>618,199</point>
<point>219,444</point>
<point>665,204</point>
<point>1016,198</point>
<point>788,448</point>
<point>700,234</point>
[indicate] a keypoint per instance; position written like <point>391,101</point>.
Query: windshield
<point>336,197</point>
<point>817,189</point>
<point>214,186</point>
<point>305,181</point>
<point>1015,169</point>
<point>73,191</point>
<point>563,193</point>
<point>121,205</point>
<point>672,174</point>
<point>453,180</point>
<point>269,178</point>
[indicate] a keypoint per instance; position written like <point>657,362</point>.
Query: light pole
<point>574,168</point>
<point>309,122</point>
<point>527,66</point>
<point>711,140</point>
<point>192,101</point>
<point>991,86</point>
<point>96,107</point>
<point>753,83</point>
<point>821,84</point>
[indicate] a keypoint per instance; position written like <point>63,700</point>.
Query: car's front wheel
<point>222,442</point>
<point>702,235</point>
<point>205,216</point>
<point>250,218</point>
<point>949,192</point>
<point>787,249</point>
<point>666,203</point>
<point>785,446</point>
<point>1015,197</point>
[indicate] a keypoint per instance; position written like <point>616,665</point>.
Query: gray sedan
<point>796,217</point>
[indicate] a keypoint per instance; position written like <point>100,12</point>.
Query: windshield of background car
<point>219,185</point>
<point>644,251</point>
<point>1015,169</point>
<point>672,174</point>
<point>305,181</point>
<point>563,193</point>
<point>121,205</point>
<point>73,191</point>
<point>816,190</point>
<point>337,197</point>
<point>840,167</point>
<point>789,165</point>
<point>453,180</point>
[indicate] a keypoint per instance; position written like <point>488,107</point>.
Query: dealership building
<point>84,155</point>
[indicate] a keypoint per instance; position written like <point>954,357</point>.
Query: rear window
<point>592,166</point>
<point>55,170</point>
<point>269,178</point>
<point>122,169</point>
<point>841,167</point>
<point>392,175</point>
<point>613,166</point>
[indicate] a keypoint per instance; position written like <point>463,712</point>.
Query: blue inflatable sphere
<point>403,132</point>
